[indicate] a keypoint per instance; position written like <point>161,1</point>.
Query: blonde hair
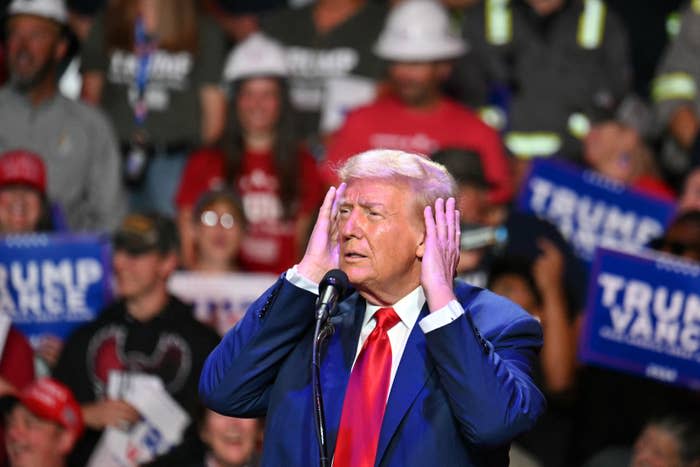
<point>428,180</point>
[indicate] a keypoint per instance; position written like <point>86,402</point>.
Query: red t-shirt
<point>654,186</point>
<point>388,123</point>
<point>269,243</point>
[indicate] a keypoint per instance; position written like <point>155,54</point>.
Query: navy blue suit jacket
<point>460,394</point>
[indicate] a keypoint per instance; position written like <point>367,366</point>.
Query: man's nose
<point>351,226</point>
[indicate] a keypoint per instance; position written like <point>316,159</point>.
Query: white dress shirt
<point>408,309</point>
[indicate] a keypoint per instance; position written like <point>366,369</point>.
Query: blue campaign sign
<point>643,316</point>
<point>51,283</point>
<point>591,210</point>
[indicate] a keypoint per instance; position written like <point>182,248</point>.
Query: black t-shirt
<point>172,346</point>
<point>172,94</point>
<point>313,58</point>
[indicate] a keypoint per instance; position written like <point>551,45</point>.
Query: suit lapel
<point>337,363</point>
<point>411,376</point>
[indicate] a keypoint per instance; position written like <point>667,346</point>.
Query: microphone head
<point>335,278</point>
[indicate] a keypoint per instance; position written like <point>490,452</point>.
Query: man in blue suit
<point>421,371</point>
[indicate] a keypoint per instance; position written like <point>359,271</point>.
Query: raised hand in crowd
<point>559,349</point>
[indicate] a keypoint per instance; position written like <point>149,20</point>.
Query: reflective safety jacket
<point>558,72</point>
<point>676,84</point>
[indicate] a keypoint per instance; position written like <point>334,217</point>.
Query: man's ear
<point>61,49</point>
<point>168,264</point>
<point>444,70</point>
<point>420,248</point>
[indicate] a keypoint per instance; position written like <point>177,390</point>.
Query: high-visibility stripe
<point>499,22</point>
<point>696,6</point>
<point>591,24</point>
<point>678,85</point>
<point>673,25</point>
<point>528,145</point>
<point>579,125</point>
<point>493,116</point>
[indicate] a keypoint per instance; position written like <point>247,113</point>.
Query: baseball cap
<point>48,399</point>
<point>464,165</point>
<point>51,9</point>
<point>143,233</point>
<point>24,167</point>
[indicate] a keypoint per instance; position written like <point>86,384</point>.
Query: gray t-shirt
<point>173,84</point>
<point>78,147</point>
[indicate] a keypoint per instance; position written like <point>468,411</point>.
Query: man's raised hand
<point>322,250</point>
<point>441,252</point>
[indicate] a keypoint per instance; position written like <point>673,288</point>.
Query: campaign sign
<point>220,300</point>
<point>51,283</point>
<point>591,210</point>
<point>643,316</point>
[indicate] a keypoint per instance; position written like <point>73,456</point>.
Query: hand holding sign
<point>109,412</point>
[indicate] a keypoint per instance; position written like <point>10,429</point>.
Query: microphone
<point>332,286</point>
<point>479,237</point>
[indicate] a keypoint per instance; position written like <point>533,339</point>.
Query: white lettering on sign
<point>649,316</point>
<point>661,372</point>
<point>48,291</point>
<point>588,223</point>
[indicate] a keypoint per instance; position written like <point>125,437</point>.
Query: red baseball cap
<point>23,167</point>
<point>47,398</point>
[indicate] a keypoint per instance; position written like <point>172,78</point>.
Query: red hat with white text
<point>21,167</point>
<point>48,399</point>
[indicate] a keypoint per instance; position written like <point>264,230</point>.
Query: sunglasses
<point>211,219</point>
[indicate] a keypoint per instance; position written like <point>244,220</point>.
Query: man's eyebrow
<point>361,203</point>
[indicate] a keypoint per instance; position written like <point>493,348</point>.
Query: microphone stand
<point>331,287</point>
<point>322,330</point>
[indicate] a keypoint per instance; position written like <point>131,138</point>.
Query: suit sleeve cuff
<point>297,280</point>
<point>441,317</point>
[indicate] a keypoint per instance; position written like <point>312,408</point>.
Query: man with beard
<point>416,116</point>
<point>76,141</point>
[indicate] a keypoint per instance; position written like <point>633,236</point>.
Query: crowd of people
<point>202,136</point>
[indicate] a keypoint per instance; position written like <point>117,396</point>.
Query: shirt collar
<point>408,308</point>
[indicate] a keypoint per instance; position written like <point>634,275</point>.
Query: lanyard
<point>145,46</point>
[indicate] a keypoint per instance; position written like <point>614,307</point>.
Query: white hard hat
<point>51,9</point>
<point>258,55</point>
<point>419,30</point>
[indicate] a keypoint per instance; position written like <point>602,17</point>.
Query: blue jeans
<point>157,193</point>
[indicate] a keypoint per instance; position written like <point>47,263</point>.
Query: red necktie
<point>365,397</point>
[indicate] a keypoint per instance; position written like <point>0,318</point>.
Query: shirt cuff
<point>293,276</point>
<point>441,317</point>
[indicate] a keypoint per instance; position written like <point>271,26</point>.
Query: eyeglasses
<point>211,218</point>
